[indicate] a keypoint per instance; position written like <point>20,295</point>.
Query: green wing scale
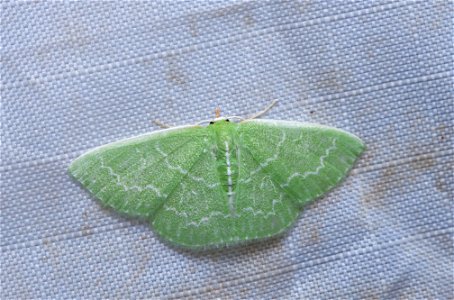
<point>221,184</point>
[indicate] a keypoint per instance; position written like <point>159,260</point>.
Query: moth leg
<point>161,124</point>
<point>262,112</point>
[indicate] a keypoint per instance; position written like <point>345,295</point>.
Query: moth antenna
<point>217,112</point>
<point>264,111</point>
<point>161,124</point>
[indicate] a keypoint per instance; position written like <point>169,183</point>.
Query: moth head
<point>218,119</point>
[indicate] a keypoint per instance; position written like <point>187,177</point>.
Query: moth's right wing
<point>135,176</point>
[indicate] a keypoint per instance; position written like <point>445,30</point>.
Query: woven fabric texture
<point>76,75</point>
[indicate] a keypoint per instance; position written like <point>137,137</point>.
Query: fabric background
<point>82,74</point>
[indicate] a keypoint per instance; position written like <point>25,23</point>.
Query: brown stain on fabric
<point>443,133</point>
<point>310,235</point>
<point>257,259</point>
<point>395,177</point>
<point>315,235</point>
<point>248,20</point>
<point>440,184</point>
<point>52,256</point>
<point>174,74</point>
<point>423,162</point>
<point>193,25</point>
<point>332,79</point>
<point>370,295</point>
<point>443,12</point>
<point>238,11</point>
<point>86,228</point>
<point>443,180</point>
<point>228,10</point>
<point>302,5</point>
<point>77,36</point>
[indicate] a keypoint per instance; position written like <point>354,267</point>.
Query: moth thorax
<point>227,165</point>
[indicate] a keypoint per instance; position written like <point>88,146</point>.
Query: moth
<point>220,182</point>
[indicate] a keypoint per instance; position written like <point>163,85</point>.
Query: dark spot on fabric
<point>302,6</point>
<point>423,162</point>
<point>174,73</point>
<point>86,230</point>
<point>331,80</point>
<point>440,184</point>
<point>443,180</point>
<point>249,20</point>
<point>315,236</point>
<point>393,177</point>
<point>390,178</point>
<point>442,133</point>
<point>193,27</point>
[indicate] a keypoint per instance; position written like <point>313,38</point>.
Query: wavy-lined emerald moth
<point>230,181</point>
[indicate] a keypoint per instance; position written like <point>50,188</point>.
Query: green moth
<point>228,182</point>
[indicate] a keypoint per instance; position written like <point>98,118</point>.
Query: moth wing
<point>197,213</point>
<point>262,206</point>
<point>305,160</point>
<point>135,176</point>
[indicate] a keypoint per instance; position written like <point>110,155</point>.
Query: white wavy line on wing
<point>125,187</point>
<point>267,161</point>
<point>206,219</point>
<point>185,172</point>
<point>317,170</point>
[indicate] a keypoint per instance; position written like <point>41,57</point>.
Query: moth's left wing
<point>305,160</point>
